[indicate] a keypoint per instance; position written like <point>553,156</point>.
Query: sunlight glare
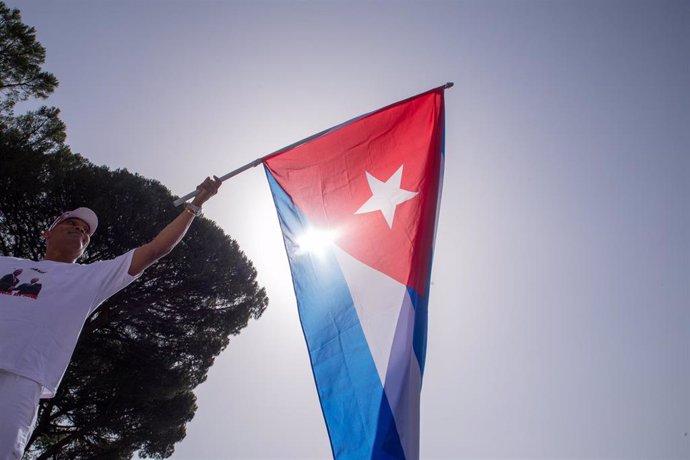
<point>316,241</point>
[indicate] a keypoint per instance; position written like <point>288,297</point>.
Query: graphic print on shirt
<point>10,285</point>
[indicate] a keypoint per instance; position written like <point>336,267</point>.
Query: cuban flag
<point>358,206</point>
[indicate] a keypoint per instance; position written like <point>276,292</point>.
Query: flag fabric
<point>358,206</point>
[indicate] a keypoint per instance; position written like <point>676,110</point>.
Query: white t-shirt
<point>43,307</point>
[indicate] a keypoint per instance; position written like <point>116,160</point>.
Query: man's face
<point>70,234</point>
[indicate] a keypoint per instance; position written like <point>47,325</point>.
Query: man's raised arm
<point>148,254</point>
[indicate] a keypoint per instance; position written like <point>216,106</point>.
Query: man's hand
<point>206,190</point>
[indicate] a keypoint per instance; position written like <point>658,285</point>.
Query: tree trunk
<point>42,424</point>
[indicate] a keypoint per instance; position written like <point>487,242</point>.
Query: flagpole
<point>258,161</point>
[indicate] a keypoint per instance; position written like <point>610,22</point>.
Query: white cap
<point>84,214</point>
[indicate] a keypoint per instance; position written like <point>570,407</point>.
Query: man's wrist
<point>192,209</point>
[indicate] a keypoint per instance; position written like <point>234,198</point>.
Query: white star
<point>386,196</point>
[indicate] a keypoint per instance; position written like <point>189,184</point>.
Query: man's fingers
<point>210,185</point>
<point>215,184</point>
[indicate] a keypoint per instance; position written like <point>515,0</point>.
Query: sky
<point>559,322</point>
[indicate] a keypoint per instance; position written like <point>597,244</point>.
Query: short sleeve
<point>112,276</point>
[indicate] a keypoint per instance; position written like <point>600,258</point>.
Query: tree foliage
<point>21,78</point>
<point>129,386</point>
<point>21,58</point>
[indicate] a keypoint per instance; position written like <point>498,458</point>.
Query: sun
<point>316,241</point>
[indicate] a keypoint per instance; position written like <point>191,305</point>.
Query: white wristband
<point>194,209</point>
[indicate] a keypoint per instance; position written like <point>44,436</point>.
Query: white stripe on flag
<point>378,299</point>
<point>387,317</point>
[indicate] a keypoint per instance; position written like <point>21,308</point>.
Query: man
<point>9,281</point>
<point>38,332</point>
